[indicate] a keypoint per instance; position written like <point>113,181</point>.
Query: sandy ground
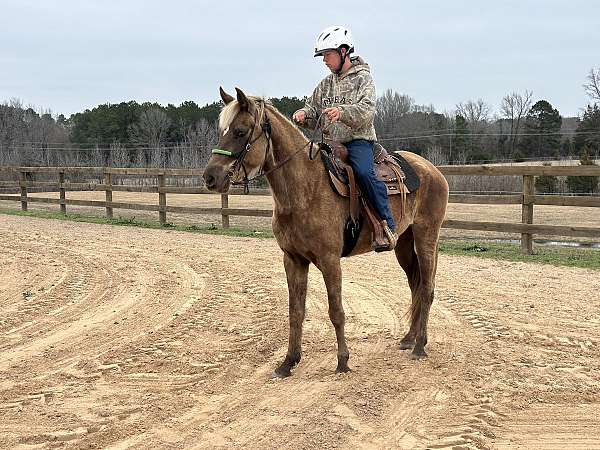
<point>116,337</point>
<point>547,215</point>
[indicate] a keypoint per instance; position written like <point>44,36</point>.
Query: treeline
<point>124,134</point>
<point>149,134</point>
<point>522,130</point>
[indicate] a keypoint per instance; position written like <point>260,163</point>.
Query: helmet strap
<point>342,60</point>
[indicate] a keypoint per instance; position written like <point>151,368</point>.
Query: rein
<point>266,131</point>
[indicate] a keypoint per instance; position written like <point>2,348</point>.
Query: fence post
<point>109,199</point>
<point>527,213</point>
<point>162,200</point>
<point>61,190</point>
<point>23,191</point>
<point>224,205</point>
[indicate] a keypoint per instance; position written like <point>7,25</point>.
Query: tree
<point>288,105</point>
<point>401,124</point>
<point>541,129</point>
<point>513,107</point>
<point>592,87</point>
<point>587,134</point>
<point>26,135</point>
<point>476,114</point>
<point>105,123</point>
<point>461,140</point>
<point>546,184</point>
<point>150,132</point>
<point>390,108</point>
<point>580,184</point>
<point>200,137</point>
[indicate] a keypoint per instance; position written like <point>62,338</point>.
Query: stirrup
<point>391,236</point>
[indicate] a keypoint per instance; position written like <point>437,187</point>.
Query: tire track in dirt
<point>202,323</point>
<point>253,401</point>
<point>547,364</point>
<point>22,301</point>
<point>87,290</point>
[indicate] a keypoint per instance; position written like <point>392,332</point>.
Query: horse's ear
<point>225,96</point>
<point>242,99</point>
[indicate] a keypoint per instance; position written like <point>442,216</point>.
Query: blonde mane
<point>231,110</point>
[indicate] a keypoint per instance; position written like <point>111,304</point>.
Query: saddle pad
<point>412,181</point>
<point>333,168</point>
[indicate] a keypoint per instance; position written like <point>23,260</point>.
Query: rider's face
<point>332,59</point>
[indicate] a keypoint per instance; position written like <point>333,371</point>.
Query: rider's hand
<point>299,116</point>
<point>333,113</point>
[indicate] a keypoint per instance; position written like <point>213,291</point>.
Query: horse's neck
<point>296,183</point>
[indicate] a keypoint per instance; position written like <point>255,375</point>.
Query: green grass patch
<point>133,222</point>
<point>557,256</point>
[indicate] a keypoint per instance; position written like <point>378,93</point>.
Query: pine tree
<point>588,131</point>
<point>461,140</point>
<point>585,185</point>
<point>542,128</point>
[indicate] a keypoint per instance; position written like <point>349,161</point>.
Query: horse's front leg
<point>296,270</point>
<point>332,274</point>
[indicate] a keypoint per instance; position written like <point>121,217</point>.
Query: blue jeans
<point>360,153</point>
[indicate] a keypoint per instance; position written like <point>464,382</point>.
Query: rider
<point>346,98</point>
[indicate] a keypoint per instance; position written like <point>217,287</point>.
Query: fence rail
<point>527,199</point>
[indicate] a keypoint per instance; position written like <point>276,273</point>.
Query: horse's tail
<point>407,257</point>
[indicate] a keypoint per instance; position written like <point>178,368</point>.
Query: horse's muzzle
<point>216,179</point>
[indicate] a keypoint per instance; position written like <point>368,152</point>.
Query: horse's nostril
<point>209,180</point>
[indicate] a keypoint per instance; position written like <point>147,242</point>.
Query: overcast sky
<point>71,55</point>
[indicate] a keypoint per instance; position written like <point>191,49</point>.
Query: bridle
<point>266,131</point>
<point>241,155</point>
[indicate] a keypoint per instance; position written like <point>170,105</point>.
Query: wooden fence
<point>527,199</point>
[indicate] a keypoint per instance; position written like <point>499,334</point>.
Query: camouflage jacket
<point>353,92</point>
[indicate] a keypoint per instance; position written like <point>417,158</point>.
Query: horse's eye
<point>240,132</point>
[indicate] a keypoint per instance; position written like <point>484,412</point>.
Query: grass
<point>133,222</point>
<point>557,256</point>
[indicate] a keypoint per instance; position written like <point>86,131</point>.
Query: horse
<point>309,217</point>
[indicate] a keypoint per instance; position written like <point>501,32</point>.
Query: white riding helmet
<point>332,38</point>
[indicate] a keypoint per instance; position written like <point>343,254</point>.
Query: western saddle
<point>343,181</point>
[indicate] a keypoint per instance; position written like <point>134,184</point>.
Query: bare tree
<point>476,113</point>
<point>592,88</point>
<point>150,131</point>
<point>436,155</point>
<point>11,123</point>
<point>514,106</point>
<point>199,139</point>
<point>391,107</point>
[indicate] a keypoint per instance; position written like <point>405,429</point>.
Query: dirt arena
<point>118,337</point>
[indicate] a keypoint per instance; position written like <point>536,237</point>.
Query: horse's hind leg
<point>296,270</point>
<point>332,274</point>
<point>407,258</point>
<point>426,243</point>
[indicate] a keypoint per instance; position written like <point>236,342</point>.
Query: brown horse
<point>309,217</point>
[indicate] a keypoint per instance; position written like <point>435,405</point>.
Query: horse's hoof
<point>342,369</point>
<point>406,345</point>
<point>280,374</point>
<point>417,356</point>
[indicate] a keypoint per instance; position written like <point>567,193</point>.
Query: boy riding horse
<point>346,98</point>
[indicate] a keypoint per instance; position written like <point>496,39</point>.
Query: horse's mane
<point>231,110</point>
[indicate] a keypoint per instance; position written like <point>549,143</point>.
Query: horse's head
<point>244,135</point>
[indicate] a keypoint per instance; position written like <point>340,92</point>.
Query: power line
<point>424,136</point>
